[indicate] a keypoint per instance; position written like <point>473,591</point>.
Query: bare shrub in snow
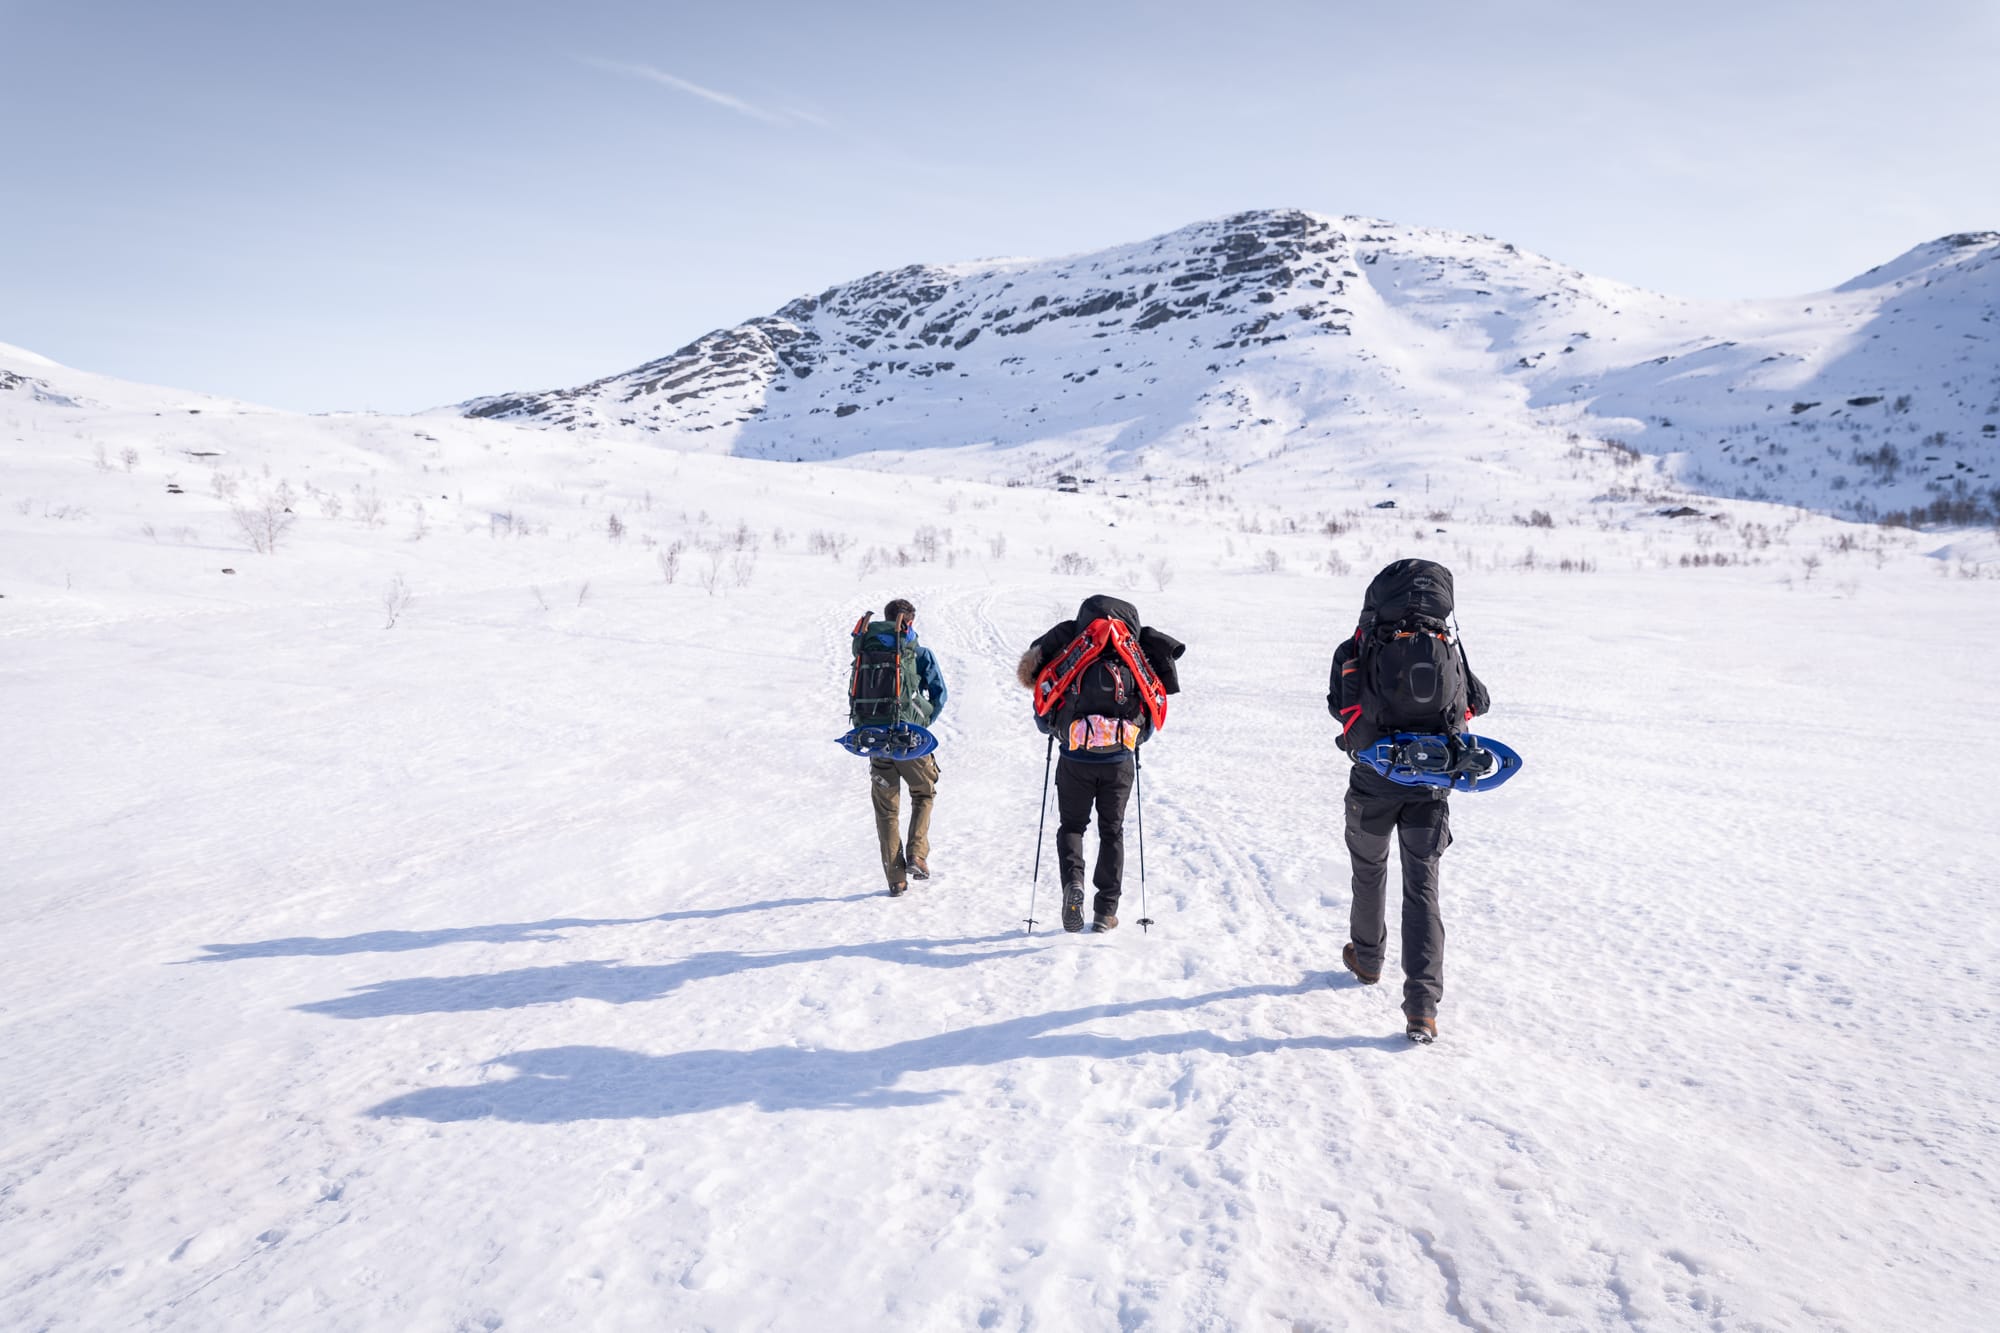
<point>1270,563</point>
<point>927,543</point>
<point>396,599</point>
<point>742,566</point>
<point>367,505</point>
<point>670,560</point>
<point>224,485</point>
<point>583,593</point>
<point>710,573</point>
<point>1074,562</point>
<point>265,521</point>
<point>834,544</point>
<point>998,545</point>
<point>1162,572</point>
<point>614,528</point>
<point>130,458</point>
<point>1336,565</point>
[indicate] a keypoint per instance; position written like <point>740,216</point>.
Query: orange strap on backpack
<point>1056,678</point>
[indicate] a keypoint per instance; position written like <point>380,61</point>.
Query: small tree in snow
<point>396,599</point>
<point>266,520</point>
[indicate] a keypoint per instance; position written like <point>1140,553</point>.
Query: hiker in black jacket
<point>1101,682</point>
<point>1401,670</point>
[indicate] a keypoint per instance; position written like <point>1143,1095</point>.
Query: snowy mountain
<point>1281,340</point>
<point>434,902</point>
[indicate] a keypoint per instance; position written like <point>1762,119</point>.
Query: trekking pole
<point>1139,799</point>
<point>1035,883</point>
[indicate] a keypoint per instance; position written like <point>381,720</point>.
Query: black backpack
<point>883,686</point>
<point>1411,667</point>
<point>1106,688</point>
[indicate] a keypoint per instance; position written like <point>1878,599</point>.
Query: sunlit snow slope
<point>455,916</point>
<point>1290,342</point>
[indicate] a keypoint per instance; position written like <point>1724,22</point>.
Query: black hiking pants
<point>1420,820</point>
<point>1080,788</point>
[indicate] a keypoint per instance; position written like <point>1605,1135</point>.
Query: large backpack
<point>885,686</point>
<point>1098,687</point>
<point>1409,667</point>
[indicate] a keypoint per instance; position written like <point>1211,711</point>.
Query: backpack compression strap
<point>1056,678</point>
<point>1352,713</point>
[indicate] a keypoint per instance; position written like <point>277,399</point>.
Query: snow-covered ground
<point>526,965</point>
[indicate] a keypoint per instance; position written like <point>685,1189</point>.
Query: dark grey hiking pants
<point>1420,819</point>
<point>1081,788</point>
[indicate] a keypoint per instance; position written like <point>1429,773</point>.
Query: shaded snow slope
<point>525,965</point>
<point>1288,341</point>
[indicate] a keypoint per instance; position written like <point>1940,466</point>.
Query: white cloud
<point>693,89</point>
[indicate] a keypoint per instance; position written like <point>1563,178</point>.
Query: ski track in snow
<point>528,966</point>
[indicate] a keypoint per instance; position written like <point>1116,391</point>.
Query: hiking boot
<point>1352,962</point>
<point>1423,1031</point>
<point>1072,916</point>
<point>919,868</point>
<point>898,890</point>
<point>1102,922</point>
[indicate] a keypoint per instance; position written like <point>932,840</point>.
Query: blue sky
<point>354,204</point>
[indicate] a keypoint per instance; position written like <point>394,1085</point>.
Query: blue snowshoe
<point>1462,763</point>
<point>895,740</point>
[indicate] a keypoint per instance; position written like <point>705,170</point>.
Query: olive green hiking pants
<point>885,788</point>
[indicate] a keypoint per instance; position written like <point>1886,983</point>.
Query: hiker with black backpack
<point>896,682</point>
<point>1100,685</point>
<point>1403,670</point>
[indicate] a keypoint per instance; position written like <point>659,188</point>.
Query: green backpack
<point>885,687</point>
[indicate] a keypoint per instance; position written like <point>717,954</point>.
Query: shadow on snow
<point>570,1083</point>
<point>624,983</point>
<point>506,932</point>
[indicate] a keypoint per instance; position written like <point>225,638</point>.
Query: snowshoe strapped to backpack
<point>1098,687</point>
<point>1408,673</point>
<point>885,687</point>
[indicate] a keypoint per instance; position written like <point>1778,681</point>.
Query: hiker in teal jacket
<point>903,860</point>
